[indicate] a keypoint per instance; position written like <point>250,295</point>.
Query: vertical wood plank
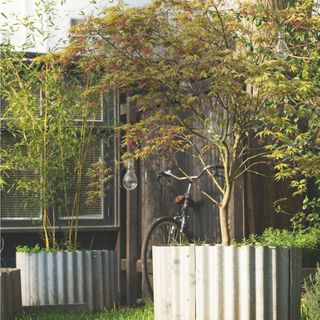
<point>10,294</point>
<point>16,292</point>
<point>295,283</point>
<point>9,297</point>
<point>119,207</point>
<point>275,4</point>
<point>4,302</point>
<point>132,229</point>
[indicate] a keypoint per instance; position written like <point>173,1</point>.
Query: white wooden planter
<point>226,283</point>
<point>79,277</point>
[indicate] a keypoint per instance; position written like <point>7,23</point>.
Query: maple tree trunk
<point>273,4</point>
<point>225,235</point>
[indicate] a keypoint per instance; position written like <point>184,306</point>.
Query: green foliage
<point>100,174</point>
<point>309,216</point>
<point>144,313</point>
<point>38,249</point>
<point>310,303</point>
<point>47,137</point>
<point>305,233</point>
<point>27,249</point>
<point>307,239</point>
<point>204,79</point>
<point>292,117</point>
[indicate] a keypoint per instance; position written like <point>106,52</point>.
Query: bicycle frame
<point>182,217</point>
<point>169,230</point>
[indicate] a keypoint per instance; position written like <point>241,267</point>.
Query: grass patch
<point>141,313</point>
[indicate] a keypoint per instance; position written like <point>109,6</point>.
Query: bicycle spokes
<point>166,235</point>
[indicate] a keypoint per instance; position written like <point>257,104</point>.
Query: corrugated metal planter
<point>10,286</point>
<point>79,277</point>
<point>226,283</point>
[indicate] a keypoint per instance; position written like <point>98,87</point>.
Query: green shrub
<point>35,249</point>
<point>307,239</point>
<point>27,249</point>
<point>310,304</point>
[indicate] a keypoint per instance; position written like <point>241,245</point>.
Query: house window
<point>16,205</point>
<point>78,193</point>
<point>3,105</point>
<point>96,110</point>
<point>73,23</point>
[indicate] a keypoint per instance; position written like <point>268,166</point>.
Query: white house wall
<point>12,11</point>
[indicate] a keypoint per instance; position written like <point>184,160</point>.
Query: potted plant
<point>226,282</point>
<point>48,142</point>
<point>202,91</point>
<point>205,81</point>
<point>259,277</point>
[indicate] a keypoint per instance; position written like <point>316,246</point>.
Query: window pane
<point>15,204</point>
<point>3,105</point>
<point>74,22</point>
<point>77,194</point>
<point>90,109</point>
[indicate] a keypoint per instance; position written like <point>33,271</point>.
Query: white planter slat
<point>174,289</point>
<point>80,277</point>
<point>227,283</point>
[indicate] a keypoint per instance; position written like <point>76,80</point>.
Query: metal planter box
<point>226,283</point>
<point>79,277</point>
<point>10,293</point>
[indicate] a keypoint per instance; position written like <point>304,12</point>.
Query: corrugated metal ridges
<point>228,283</point>
<point>253,283</point>
<point>69,278</point>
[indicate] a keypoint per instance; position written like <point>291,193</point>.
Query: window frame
<point>109,203</point>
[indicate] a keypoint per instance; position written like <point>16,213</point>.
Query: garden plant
<point>48,111</point>
<point>311,298</point>
<point>205,80</point>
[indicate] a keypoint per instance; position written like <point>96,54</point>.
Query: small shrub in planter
<point>306,239</point>
<point>68,277</point>
<point>52,144</point>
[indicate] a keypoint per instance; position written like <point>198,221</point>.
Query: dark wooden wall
<point>90,239</point>
<point>157,199</point>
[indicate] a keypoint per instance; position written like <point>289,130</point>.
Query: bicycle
<point>166,231</point>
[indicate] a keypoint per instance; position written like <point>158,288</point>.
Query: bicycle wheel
<point>165,231</point>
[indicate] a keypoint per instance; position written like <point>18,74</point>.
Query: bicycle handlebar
<point>168,173</point>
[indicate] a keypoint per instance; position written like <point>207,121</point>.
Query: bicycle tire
<point>164,231</point>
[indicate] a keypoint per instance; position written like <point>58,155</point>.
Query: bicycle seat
<point>180,199</point>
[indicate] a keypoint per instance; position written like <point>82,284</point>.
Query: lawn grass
<point>139,313</point>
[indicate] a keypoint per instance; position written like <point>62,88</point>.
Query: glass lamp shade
<point>281,50</point>
<point>130,180</point>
